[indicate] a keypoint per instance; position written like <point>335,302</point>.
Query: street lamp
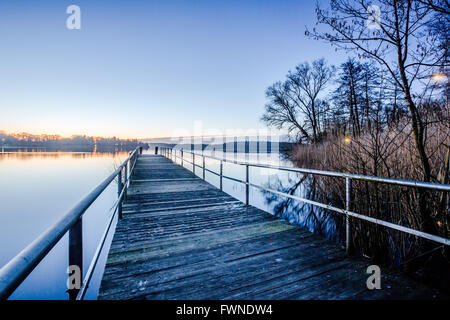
<point>438,77</point>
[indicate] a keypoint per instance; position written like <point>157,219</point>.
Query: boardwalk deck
<point>182,238</point>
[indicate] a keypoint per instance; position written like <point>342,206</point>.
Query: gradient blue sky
<point>145,68</point>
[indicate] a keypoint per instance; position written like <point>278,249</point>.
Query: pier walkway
<point>182,238</point>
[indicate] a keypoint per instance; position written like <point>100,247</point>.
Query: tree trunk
<point>418,133</point>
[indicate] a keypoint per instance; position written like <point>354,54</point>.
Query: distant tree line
<point>27,140</point>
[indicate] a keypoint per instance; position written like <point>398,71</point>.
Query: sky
<point>142,69</point>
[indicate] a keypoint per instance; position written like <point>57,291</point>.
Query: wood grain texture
<point>182,238</point>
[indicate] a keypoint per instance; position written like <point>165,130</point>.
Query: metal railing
<point>179,154</point>
<point>17,269</point>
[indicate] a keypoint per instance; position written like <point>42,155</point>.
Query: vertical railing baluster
<point>203,167</point>
<point>119,191</point>
<point>193,162</point>
<point>221,175</point>
<point>76,254</point>
<point>348,190</point>
<point>182,157</point>
<point>247,187</point>
<point>125,181</point>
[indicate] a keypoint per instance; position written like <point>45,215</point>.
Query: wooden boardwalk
<point>182,238</point>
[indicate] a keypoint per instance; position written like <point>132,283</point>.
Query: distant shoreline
<point>68,148</point>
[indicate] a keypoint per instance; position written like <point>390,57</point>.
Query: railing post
<point>247,187</point>
<point>203,167</point>
<point>221,175</point>
<point>76,254</point>
<point>119,191</point>
<point>193,162</point>
<point>182,157</point>
<point>348,190</point>
<point>125,181</point>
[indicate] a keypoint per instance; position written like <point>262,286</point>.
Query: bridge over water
<point>180,237</point>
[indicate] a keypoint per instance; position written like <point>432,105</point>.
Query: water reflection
<point>36,189</point>
<point>69,149</point>
<point>313,218</point>
<point>55,155</point>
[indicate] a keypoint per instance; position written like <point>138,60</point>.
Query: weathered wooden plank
<point>217,279</point>
<point>181,238</point>
<point>198,240</point>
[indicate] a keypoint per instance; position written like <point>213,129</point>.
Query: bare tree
<point>440,6</point>
<point>296,103</point>
<point>399,39</point>
<point>356,95</point>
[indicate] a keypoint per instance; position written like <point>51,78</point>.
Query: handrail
<point>98,251</point>
<point>18,268</point>
<point>168,152</point>
<point>409,183</point>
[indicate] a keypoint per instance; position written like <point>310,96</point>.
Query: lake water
<point>37,188</point>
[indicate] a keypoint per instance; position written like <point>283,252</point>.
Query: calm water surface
<point>36,189</point>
